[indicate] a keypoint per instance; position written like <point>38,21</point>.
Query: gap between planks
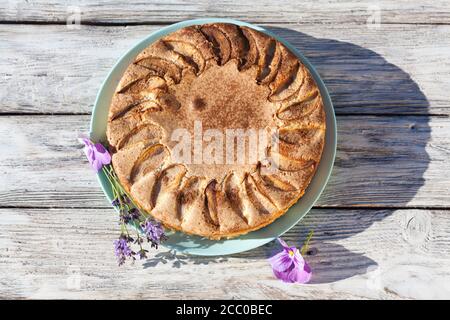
<point>166,23</point>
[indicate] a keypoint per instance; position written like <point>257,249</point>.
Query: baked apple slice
<point>132,74</point>
<point>287,70</point>
<point>252,55</point>
<point>191,200</point>
<point>164,195</point>
<point>258,207</point>
<point>147,132</point>
<point>163,51</point>
<point>220,43</point>
<point>190,42</point>
<point>237,41</point>
<point>162,67</point>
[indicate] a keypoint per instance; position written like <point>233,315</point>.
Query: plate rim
<point>329,147</point>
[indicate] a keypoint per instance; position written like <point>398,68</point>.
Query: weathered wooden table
<point>382,226</point>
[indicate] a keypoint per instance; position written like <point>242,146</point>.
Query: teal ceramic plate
<point>201,246</point>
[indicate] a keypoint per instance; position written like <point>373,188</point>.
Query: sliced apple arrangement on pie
<point>190,89</point>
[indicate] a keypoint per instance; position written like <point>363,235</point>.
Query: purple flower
<point>116,202</point>
<point>154,232</point>
<point>122,250</point>
<point>142,254</point>
<point>129,215</point>
<point>121,199</point>
<point>96,153</point>
<point>289,265</point>
<point>134,213</point>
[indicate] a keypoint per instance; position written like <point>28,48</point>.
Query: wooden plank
<point>67,253</point>
<point>381,162</point>
<point>318,12</point>
<point>397,69</point>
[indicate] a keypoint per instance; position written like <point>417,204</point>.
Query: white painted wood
<point>68,253</point>
<point>381,161</point>
<point>387,238</point>
<point>291,11</point>
<point>397,69</point>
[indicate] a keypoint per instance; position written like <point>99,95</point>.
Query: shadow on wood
<point>177,260</point>
<point>375,144</point>
<point>330,261</point>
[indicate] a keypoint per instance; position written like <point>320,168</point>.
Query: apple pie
<point>216,130</point>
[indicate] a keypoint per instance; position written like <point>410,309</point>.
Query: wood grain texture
<point>68,253</point>
<point>382,226</point>
<point>381,161</point>
<point>291,11</point>
<point>397,69</point>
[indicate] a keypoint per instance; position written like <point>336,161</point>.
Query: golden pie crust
<point>224,77</point>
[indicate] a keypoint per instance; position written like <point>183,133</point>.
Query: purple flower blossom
<point>122,250</point>
<point>96,153</point>
<point>142,254</point>
<point>121,199</point>
<point>115,202</point>
<point>289,265</point>
<point>134,213</point>
<point>154,232</point>
<point>129,215</point>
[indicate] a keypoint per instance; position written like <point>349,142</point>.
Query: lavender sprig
<point>154,232</point>
<point>129,214</point>
<point>122,249</point>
